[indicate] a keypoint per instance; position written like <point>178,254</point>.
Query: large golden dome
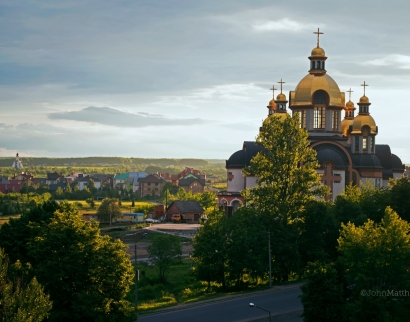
<point>312,83</point>
<point>350,105</point>
<point>363,120</point>
<point>317,51</point>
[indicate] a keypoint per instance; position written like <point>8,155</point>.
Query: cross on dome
<point>364,87</point>
<point>350,93</point>
<point>281,85</point>
<point>273,89</point>
<point>318,33</point>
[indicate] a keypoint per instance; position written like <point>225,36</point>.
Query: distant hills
<point>111,161</point>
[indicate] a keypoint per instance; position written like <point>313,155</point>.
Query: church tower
<point>17,163</point>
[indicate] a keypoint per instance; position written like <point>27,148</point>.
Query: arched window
<point>319,111</point>
<point>320,97</point>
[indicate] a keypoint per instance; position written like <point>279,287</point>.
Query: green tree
<point>87,275</point>
<point>375,258</point>
<point>109,210</point>
<point>287,181</point>
<point>399,197</point>
<point>91,186</point>
<point>322,296</point>
<point>20,301</point>
<point>59,192</point>
<point>285,169</point>
<point>164,251</point>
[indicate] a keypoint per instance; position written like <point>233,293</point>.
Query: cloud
<point>283,25</point>
<point>117,118</point>
<point>395,60</point>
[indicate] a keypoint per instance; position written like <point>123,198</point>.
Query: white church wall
<point>237,182</point>
<point>251,182</point>
<point>338,188</point>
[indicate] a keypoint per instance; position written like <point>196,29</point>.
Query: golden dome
<point>281,116</point>
<point>281,97</point>
<point>345,125</point>
<point>272,103</point>
<point>363,120</point>
<point>312,83</point>
<point>317,51</point>
<point>364,99</point>
<point>350,105</point>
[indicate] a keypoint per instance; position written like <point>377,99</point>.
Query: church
<point>346,148</point>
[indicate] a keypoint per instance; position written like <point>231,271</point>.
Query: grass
<point>219,186</point>
<point>5,219</point>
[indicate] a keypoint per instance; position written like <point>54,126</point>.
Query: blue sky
<point>186,78</point>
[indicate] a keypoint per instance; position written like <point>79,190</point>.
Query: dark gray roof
<point>389,161</point>
<point>242,158</point>
<point>330,152</point>
<point>188,181</point>
<point>188,206</point>
<point>151,179</point>
<point>366,161</point>
<point>397,165</point>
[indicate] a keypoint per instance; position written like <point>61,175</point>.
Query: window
<point>149,183</point>
<point>320,97</point>
<point>319,117</point>
<point>156,184</point>
<point>302,118</point>
<point>365,144</point>
<point>335,121</point>
<point>372,144</point>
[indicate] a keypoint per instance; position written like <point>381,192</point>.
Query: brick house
<point>192,183</point>
<point>190,210</point>
<point>151,185</point>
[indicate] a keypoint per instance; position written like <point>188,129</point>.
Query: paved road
<point>283,304</point>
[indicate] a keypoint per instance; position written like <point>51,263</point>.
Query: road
<point>283,303</point>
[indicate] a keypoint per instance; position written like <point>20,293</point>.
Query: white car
<point>150,220</point>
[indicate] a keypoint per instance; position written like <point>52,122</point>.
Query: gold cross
<point>318,33</point>
<point>350,93</point>
<point>273,89</point>
<point>364,87</point>
<point>281,85</point>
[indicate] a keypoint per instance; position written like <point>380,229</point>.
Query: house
<point>121,180</point>
<point>192,183</point>
<point>83,182</point>
<point>133,179</point>
<point>53,177</point>
<point>107,180</point>
<point>132,217</point>
<point>157,213</point>
<point>89,217</point>
<point>60,184</point>
<point>151,185</point>
<point>11,186</point>
<point>191,211</point>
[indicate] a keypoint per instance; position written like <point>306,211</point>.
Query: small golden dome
<point>345,125</point>
<point>312,83</point>
<point>362,120</point>
<point>272,103</point>
<point>364,99</point>
<point>350,104</point>
<point>317,51</point>
<point>281,97</point>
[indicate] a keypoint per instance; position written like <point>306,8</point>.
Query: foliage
<point>87,275</point>
<point>399,196</point>
<point>375,258</point>
<point>20,301</point>
<point>109,209</point>
<point>322,294</point>
<point>164,251</point>
<point>285,169</point>
<point>319,231</point>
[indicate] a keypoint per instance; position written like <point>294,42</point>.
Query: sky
<point>186,79</point>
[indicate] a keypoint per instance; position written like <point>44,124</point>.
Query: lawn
<point>5,219</point>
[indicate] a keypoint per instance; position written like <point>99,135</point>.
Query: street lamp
<point>136,268</point>
<point>254,305</point>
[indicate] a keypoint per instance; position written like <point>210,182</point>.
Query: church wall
<point>251,182</point>
<point>339,187</point>
<point>237,181</point>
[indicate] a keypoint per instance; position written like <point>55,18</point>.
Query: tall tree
<point>109,210</point>
<point>399,197</point>
<point>285,169</point>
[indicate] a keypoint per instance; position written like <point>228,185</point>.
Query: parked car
<point>152,221</point>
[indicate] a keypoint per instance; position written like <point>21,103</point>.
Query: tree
<point>20,301</point>
<point>91,186</point>
<point>164,251</point>
<point>322,294</point>
<point>375,259</point>
<point>109,209</point>
<point>287,181</point>
<point>285,169</point>
<point>59,192</point>
<point>87,275</point>
<point>399,197</point>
